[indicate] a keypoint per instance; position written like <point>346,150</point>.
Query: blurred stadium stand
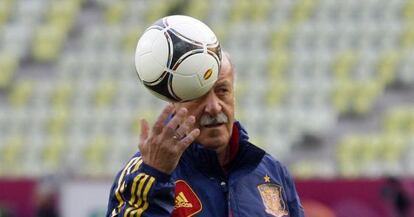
<point>309,74</point>
<point>326,86</point>
<point>321,84</point>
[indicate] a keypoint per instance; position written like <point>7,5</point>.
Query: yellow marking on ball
<point>207,74</point>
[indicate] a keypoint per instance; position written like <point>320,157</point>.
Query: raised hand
<point>162,146</point>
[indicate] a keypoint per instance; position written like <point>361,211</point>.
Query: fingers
<point>144,134</point>
<point>159,124</point>
<point>144,130</point>
<point>188,139</point>
<point>185,127</point>
<point>170,128</point>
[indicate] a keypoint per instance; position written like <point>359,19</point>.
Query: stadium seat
<point>393,121</point>
<point>130,38</point>
<point>341,95</point>
<point>364,96</point>
<point>115,11</point>
<point>21,93</point>
<point>387,67</point>
<point>105,93</point>
<point>407,40</point>
<point>260,10</point>
<point>408,11</point>
<point>348,160</point>
<point>58,121</point>
<point>344,63</point>
<point>8,66</point>
<point>373,155</point>
<point>48,42</point>
<point>278,61</point>
<point>369,154</point>
<point>53,154</point>
<point>95,155</point>
<point>5,9</point>
<point>63,13</point>
<point>277,89</point>
<point>62,94</point>
<point>222,32</point>
<point>146,112</point>
<point>281,37</point>
<point>398,120</point>
<point>239,11</point>
<point>302,10</point>
<point>10,156</point>
<point>394,145</point>
<point>156,10</point>
<point>199,9</point>
<point>305,169</point>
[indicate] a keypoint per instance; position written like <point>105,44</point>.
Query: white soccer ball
<point>178,58</point>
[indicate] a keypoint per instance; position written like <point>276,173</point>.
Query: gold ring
<point>177,136</point>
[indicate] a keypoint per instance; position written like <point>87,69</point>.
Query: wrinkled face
<point>214,111</point>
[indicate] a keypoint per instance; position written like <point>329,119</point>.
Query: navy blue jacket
<point>253,184</point>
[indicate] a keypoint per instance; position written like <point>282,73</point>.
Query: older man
<point>196,160</point>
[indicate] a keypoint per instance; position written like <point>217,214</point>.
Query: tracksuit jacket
<point>253,184</point>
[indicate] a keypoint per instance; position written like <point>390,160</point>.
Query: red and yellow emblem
<point>272,199</point>
<point>186,201</point>
<point>208,74</point>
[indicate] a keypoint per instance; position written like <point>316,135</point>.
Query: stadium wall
<point>321,198</point>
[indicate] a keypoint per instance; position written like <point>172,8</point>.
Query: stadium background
<point>326,86</point>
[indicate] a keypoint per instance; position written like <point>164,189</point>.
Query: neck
<point>229,152</point>
<point>223,155</point>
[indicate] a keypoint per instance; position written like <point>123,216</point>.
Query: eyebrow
<point>221,83</point>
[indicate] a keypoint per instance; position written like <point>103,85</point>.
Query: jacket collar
<point>242,154</point>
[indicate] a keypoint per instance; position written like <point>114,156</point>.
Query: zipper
<point>229,210</point>
<point>225,188</point>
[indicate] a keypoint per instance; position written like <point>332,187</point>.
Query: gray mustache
<point>207,119</point>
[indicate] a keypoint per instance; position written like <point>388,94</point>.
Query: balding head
<point>227,65</point>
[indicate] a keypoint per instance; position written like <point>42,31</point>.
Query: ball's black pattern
<point>163,87</point>
<point>181,49</point>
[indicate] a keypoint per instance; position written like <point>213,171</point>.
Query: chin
<point>214,137</point>
<point>213,142</point>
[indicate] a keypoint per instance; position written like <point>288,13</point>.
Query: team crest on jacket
<point>186,201</point>
<point>272,199</point>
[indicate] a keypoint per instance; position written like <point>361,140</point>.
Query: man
<point>197,161</point>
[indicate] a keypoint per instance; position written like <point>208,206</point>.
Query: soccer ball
<point>178,58</point>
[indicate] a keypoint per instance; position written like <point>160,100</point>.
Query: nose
<point>212,104</point>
